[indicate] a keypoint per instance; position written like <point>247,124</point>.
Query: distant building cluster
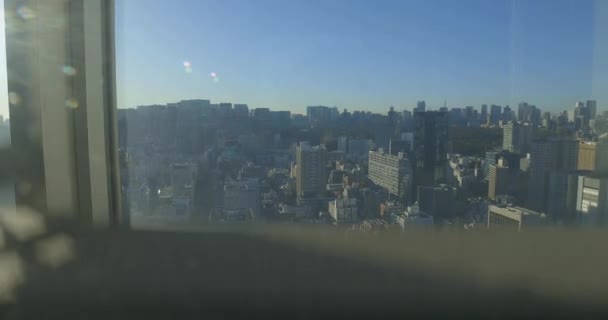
<point>225,163</point>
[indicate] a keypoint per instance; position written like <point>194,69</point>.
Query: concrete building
<point>499,180</point>
<point>586,155</point>
<point>359,146</point>
<point>484,114</point>
<point>240,111</point>
<point>562,191</point>
<point>408,137</point>
<point>420,107</point>
<point>551,155</point>
<point>511,160</point>
<point>495,114</point>
<point>243,195</point>
<point>388,208</point>
<point>517,137</point>
<point>414,217</point>
<point>438,202</point>
<point>601,154</point>
<point>513,218</point>
<point>311,170</point>
<point>391,172</point>
<point>344,210</point>
<point>343,144</point>
<point>397,146</point>
<point>183,177</point>
<point>354,146</point>
<point>430,147</point>
<point>592,199</point>
<point>318,114</point>
<point>591,106</point>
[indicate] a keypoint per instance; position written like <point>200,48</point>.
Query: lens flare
<point>68,70</point>
<point>187,64</point>
<point>14,98</point>
<point>25,13</point>
<point>71,103</point>
<point>213,75</point>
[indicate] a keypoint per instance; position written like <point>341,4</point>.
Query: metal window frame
<point>61,67</point>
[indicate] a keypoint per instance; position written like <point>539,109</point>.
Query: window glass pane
<point>7,193</point>
<point>352,113</point>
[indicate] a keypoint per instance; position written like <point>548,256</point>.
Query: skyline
<point>286,56</point>
<point>359,55</point>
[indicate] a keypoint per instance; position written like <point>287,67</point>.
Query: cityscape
<point>471,168</point>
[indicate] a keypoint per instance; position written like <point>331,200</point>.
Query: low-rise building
<point>513,218</point>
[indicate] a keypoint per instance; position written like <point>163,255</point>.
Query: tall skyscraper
<point>430,147</point>
<point>507,114</point>
<point>392,172</point>
<point>241,111</point>
<point>517,137</point>
<point>437,201</point>
<point>484,113</point>
<point>498,180</point>
<point>420,106</point>
<point>591,106</point>
<point>495,114</point>
<point>549,156</point>
<point>311,171</point>
<point>320,114</point>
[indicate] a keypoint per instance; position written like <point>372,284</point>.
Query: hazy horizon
<point>359,55</point>
<point>363,55</point>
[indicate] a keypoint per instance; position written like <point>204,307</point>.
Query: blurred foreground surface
<point>66,272</point>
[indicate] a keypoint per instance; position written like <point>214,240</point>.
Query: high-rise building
<point>581,115</point>
<point>517,137</point>
<point>343,144</point>
<point>319,114</point>
<point>524,113</point>
<point>586,155</point>
<point>241,111</point>
<point>601,154</point>
<point>311,170</point>
<point>499,180</point>
<point>561,195</point>
<point>420,106</point>
<point>399,146</point>
<point>225,109</point>
<point>549,156</point>
<point>495,114</point>
<point>510,159</point>
<point>507,114</point>
<point>430,147</point>
<point>392,172</point>
<point>437,201</point>
<point>343,210</point>
<point>591,106</point>
<point>484,113</point>
<point>183,177</point>
<point>359,146</point>
<point>592,199</point>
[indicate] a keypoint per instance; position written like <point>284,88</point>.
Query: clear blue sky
<point>362,54</point>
